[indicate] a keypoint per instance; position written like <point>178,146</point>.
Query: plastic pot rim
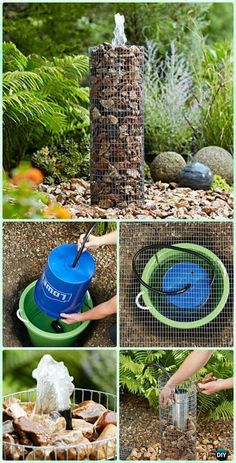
<point>52,336</point>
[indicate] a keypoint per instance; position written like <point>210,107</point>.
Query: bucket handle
<point>18,314</point>
<point>142,307</point>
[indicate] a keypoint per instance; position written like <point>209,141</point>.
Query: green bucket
<point>38,324</point>
<point>161,262</point>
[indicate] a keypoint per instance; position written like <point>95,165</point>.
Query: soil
<point>25,251</point>
<point>139,432</point>
<point>162,200</point>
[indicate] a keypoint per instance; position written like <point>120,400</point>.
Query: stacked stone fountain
<point>116,82</point>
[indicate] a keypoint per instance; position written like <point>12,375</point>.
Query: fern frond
<point>17,81</point>
<point>224,410</point>
<point>13,59</point>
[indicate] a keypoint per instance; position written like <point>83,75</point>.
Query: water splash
<point>119,31</point>
<point>54,386</point>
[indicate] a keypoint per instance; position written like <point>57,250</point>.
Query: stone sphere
<point>167,167</point>
<point>196,176</point>
<point>218,160</point>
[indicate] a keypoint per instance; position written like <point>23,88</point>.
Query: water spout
<point>54,387</point>
<point>119,31</point>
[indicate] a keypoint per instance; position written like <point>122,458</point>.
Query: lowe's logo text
<point>53,293</point>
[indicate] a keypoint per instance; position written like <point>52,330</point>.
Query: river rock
<point>197,176</point>
<point>167,167</point>
<point>88,411</point>
<point>218,160</point>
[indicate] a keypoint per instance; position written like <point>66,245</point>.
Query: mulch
<point>139,432</point>
<point>162,200</point>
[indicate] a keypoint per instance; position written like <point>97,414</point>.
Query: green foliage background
<point>56,29</point>
<point>212,407</point>
<point>46,79</point>
<point>90,369</point>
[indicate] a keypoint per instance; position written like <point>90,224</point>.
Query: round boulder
<point>167,167</point>
<point>196,176</point>
<point>218,160</point>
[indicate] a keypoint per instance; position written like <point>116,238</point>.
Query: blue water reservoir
<point>182,274</point>
<point>62,288</point>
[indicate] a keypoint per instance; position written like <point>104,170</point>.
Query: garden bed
<point>162,201</point>
<point>26,247</point>
<point>139,432</point>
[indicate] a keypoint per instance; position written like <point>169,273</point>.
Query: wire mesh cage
<point>116,112</point>
<point>101,449</point>
<point>178,420</point>
<point>176,284</point>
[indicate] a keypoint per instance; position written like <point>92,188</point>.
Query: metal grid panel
<point>178,422</point>
<point>139,327</point>
<point>102,450</point>
<point>116,112</point>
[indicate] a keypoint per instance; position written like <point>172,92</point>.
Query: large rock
<point>167,167</point>
<point>218,160</point>
<point>197,176</point>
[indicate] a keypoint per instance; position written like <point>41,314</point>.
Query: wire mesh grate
<point>205,306</point>
<point>178,421</point>
<point>116,111</point>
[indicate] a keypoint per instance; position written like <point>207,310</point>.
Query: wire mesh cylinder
<point>177,420</point>
<point>116,112</point>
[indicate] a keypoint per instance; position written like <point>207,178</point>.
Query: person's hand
<point>212,386</point>
<point>167,396</point>
<point>102,310</point>
<point>69,318</point>
<point>93,241</point>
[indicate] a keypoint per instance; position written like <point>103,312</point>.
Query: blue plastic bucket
<point>182,274</point>
<point>62,288</point>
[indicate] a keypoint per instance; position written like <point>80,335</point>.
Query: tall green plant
<point>215,98</point>
<point>211,407</point>
<point>41,99</point>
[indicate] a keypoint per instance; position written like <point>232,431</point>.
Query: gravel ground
<point>139,432</point>
<point>26,247</point>
<point>162,200</point>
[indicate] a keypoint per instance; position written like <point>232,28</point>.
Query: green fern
<point>41,99</point>
<point>225,411</point>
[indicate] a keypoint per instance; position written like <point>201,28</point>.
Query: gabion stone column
<point>178,422</point>
<point>116,111</point>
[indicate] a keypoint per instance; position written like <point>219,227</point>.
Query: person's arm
<point>100,311</point>
<point>96,241</point>
<point>215,386</point>
<point>194,362</point>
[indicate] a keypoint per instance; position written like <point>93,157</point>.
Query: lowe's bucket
<point>62,287</point>
<point>39,326</point>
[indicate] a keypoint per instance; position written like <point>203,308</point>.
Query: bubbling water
<point>119,31</point>
<point>54,386</point>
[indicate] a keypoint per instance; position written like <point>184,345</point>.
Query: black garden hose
<point>176,248</point>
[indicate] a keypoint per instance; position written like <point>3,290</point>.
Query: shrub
<point>220,183</point>
<point>61,162</point>
<point>41,99</point>
<point>168,101</point>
